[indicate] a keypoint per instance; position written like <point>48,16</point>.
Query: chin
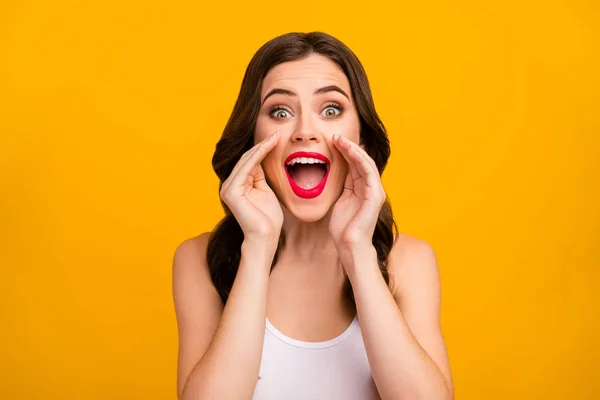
<point>309,212</point>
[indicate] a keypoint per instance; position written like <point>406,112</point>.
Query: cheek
<point>271,165</point>
<point>348,127</point>
<point>354,130</point>
<point>262,129</point>
<point>353,124</point>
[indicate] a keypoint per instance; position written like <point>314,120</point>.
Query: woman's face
<point>307,101</point>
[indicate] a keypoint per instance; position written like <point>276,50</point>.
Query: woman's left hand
<point>355,214</point>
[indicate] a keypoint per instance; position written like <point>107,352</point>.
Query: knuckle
<point>224,195</point>
<point>223,189</point>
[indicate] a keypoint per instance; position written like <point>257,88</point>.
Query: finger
<point>366,155</point>
<point>349,183</point>
<point>358,149</point>
<point>354,172</point>
<point>369,158</point>
<point>366,169</point>
<point>244,159</point>
<point>257,172</point>
<point>259,179</point>
<point>241,162</point>
<point>246,155</point>
<point>254,159</point>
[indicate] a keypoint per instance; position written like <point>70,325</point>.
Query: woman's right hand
<point>249,197</point>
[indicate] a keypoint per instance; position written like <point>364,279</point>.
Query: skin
<point>325,237</point>
<point>308,264</point>
<point>307,123</point>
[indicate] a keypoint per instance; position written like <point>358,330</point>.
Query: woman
<point>303,291</point>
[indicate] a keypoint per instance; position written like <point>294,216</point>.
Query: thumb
<point>349,182</point>
<point>257,174</point>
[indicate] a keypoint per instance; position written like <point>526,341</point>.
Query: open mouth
<point>307,173</point>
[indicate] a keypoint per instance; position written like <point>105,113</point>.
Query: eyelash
<point>328,105</point>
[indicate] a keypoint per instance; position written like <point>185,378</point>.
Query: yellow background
<point>109,113</point>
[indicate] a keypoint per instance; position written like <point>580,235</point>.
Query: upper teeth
<point>305,160</point>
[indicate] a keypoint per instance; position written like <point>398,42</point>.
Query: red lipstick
<point>312,192</point>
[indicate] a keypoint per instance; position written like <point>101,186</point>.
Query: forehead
<point>309,73</point>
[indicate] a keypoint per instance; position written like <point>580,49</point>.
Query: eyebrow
<point>325,89</point>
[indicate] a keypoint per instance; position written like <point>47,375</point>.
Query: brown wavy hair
<point>224,246</point>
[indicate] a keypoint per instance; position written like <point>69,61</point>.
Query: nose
<point>306,131</point>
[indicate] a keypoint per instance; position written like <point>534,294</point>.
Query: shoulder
<point>191,253</point>
<point>193,247</point>
<point>198,306</point>
<point>190,267</point>
<point>413,267</point>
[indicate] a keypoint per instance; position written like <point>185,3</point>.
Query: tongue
<point>307,176</point>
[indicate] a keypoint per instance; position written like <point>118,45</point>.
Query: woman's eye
<point>280,113</point>
<point>331,111</point>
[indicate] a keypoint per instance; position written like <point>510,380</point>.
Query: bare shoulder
<point>413,270</point>
<point>189,260</point>
<point>406,245</point>
<point>191,275</point>
<point>194,247</point>
<point>198,306</point>
<point>412,266</point>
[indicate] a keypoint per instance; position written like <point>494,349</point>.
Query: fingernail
<point>276,134</point>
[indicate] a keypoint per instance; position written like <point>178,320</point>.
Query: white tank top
<point>291,369</point>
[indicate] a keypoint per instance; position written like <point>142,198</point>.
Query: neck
<point>308,241</point>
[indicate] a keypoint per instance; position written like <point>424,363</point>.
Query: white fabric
<point>295,370</point>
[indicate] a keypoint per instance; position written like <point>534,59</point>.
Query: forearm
<point>229,368</point>
<point>400,366</point>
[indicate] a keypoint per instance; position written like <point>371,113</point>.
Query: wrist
<point>259,248</point>
<point>359,258</point>
<point>357,250</point>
